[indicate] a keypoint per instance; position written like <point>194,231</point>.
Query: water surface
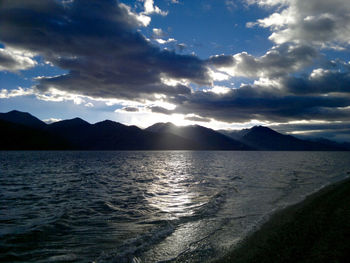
<point>167,206</point>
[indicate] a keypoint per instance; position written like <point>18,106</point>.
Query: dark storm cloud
<point>158,109</point>
<point>321,81</point>
<point>98,44</point>
<point>326,127</point>
<point>254,102</point>
<point>280,96</point>
<point>222,60</point>
<point>197,118</point>
<point>130,109</point>
<point>339,131</point>
<point>278,61</point>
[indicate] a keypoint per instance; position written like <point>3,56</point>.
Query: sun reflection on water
<point>173,190</point>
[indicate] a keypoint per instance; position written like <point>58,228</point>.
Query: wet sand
<point>315,230</point>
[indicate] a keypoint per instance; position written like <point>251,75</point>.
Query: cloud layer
<point>319,22</point>
<point>14,60</point>
<point>278,61</point>
<point>270,105</point>
<point>106,56</point>
<point>98,44</point>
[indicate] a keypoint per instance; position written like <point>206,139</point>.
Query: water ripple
<point>146,206</point>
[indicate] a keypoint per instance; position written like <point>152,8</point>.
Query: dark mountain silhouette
<point>77,134</point>
<point>234,134</point>
<point>23,118</point>
<point>69,124</point>
<point>20,137</point>
<point>22,131</point>
<point>74,130</point>
<point>110,135</point>
<point>208,139</point>
<point>264,138</point>
<point>324,141</point>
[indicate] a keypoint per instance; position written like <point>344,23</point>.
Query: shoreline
<point>316,229</point>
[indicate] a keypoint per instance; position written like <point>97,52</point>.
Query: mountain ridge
<point>23,118</point>
<point>208,138</point>
<point>78,134</point>
<point>266,139</point>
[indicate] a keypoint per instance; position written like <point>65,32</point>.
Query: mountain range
<point>22,131</point>
<point>266,139</point>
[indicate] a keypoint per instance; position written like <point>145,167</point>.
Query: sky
<point>223,64</point>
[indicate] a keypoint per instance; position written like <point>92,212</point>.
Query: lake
<point>139,206</point>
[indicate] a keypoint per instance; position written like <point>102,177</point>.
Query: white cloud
<point>56,95</point>
<point>158,35</point>
<point>267,3</point>
<point>143,19</point>
<point>317,73</point>
<point>162,41</point>
<point>218,76</point>
<point>316,22</point>
<point>77,100</point>
<point>6,94</point>
<point>268,83</point>
<point>150,8</point>
<point>278,61</point>
<point>218,89</point>
<point>89,105</point>
<point>51,120</point>
<point>14,60</point>
<point>158,32</point>
<point>172,82</point>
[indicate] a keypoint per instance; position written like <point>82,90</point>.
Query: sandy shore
<point>315,230</point>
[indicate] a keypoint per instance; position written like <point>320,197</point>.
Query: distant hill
<point>23,118</point>
<point>20,137</point>
<point>22,131</point>
<point>110,135</point>
<point>73,130</point>
<point>345,145</point>
<point>208,139</point>
<point>264,138</point>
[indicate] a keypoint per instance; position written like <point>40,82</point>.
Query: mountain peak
<point>78,120</point>
<point>161,127</point>
<point>261,128</point>
<point>109,123</point>
<point>70,123</point>
<point>207,138</point>
<point>23,118</point>
<point>17,112</point>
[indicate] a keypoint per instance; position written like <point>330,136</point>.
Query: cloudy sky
<point>222,64</point>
